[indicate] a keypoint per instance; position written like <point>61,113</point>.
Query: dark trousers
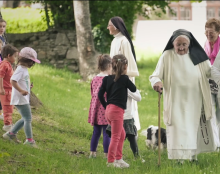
<point>98,129</point>
<point>133,143</point>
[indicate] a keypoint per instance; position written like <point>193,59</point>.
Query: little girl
<point>97,111</point>
<point>20,96</point>
<point>116,86</point>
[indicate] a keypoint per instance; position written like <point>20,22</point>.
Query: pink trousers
<point>114,116</point>
<point>6,107</point>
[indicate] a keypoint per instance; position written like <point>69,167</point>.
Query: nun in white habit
<point>182,72</point>
<point>122,44</point>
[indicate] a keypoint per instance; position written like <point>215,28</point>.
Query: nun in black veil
<point>183,71</point>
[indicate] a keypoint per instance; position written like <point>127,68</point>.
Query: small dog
<point>152,137</point>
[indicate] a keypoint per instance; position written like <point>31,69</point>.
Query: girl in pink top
<point>97,112</point>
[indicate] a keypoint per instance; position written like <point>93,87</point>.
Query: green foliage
<point>62,13</point>
<point>24,20</point>
<point>103,11</point>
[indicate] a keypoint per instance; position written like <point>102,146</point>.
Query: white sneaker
<point>7,128</point>
<point>122,163</point>
<point>1,117</point>
<point>114,164</point>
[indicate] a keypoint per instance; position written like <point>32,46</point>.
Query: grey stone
<point>35,43</point>
<point>59,66</point>
<point>61,39</point>
<point>53,61</point>
<point>43,38</point>
<point>73,68</point>
<point>51,53</point>
<point>60,62</point>
<point>41,55</point>
<point>61,51</point>
<point>33,38</point>
<point>72,53</point>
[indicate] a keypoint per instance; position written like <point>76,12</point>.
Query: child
<point>96,111</point>
<point>1,45</point>
<point>20,96</point>
<point>9,53</point>
<point>129,126</point>
<point>116,86</point>
<point>2,30</point>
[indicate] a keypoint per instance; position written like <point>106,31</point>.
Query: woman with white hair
<point>184,69</point>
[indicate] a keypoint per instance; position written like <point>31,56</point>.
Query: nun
<point>182,74</point>
<point>122,44</point>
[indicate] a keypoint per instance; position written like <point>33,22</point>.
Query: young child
<point>20,96</point>
<point>9,53</point>
<point>116,86</point>
<point>129,126</point>
<point>1,45</point>
<point>2,30</point>
<point>97,111</point>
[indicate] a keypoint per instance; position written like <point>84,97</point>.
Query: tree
<point>85,44</point>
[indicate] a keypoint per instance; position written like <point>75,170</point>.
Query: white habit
<point>121,45</point>
<point>186,90</point>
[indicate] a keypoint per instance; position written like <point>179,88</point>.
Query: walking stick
<point>159,132</point>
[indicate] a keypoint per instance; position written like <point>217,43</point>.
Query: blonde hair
<point>119,63</point>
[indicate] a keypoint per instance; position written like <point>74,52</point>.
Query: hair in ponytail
<point>104,61</point>
<point>119,63</point>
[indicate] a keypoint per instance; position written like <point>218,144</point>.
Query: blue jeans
<point>25,121</point>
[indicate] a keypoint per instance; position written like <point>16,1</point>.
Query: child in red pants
<point>116,86</point>
<point>9,54</point>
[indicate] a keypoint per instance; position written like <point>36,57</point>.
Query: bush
<point>24,20</point>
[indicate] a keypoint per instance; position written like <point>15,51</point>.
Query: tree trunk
<point>85,44</point>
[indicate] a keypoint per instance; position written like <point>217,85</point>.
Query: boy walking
<point>9,54</point>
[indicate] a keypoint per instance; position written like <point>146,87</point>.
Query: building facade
<point>183,10</point>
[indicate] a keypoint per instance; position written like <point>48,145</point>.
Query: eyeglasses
<point>210,32</point>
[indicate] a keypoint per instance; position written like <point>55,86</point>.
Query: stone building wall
<point>57,48</point>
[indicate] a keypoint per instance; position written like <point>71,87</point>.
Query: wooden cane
<point>159,132</point>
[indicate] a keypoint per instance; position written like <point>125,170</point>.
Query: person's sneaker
<point>122,163</point>
<point>30,143</point>
<point>92,156</point>
<point>114,164</point>
<point>12,138</point>
<point>7,128</point>
<point>1,117</point>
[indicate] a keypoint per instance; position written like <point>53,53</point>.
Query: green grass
<point>24,20</point>
<point>63,135</point>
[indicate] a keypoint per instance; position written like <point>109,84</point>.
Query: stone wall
<point>55,47</point>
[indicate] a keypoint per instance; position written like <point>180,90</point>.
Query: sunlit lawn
<point>63,135</point>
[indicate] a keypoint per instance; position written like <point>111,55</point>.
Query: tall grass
<point>63,135</point>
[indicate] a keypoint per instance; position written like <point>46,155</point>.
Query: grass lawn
<point>63,135</point>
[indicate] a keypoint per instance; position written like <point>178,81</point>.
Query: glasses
<point>210,32</point>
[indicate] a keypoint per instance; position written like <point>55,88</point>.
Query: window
<point>185,13</point>
<point>210,12</point>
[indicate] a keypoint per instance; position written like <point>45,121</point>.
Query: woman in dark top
<point>116,86</point>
